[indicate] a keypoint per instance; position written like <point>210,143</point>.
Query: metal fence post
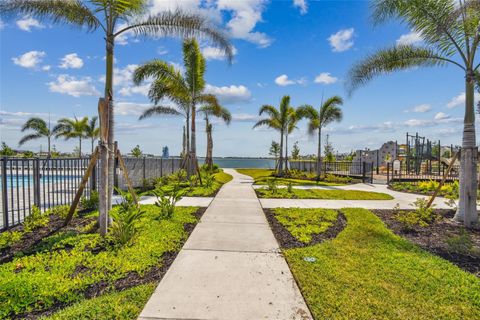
<point>93,178</point>
<point>161,167</point>
<point>363,171</point>
<point>388,173</point>
<point>144,168</point>
<point>4,193</point>
<point>36,182</point>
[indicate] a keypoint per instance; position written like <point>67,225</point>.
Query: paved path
<point>230,267</point>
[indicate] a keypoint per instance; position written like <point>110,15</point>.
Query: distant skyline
<point>300,48</point>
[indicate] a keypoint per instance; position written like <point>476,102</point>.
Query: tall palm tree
<point>41,130</point>
<point>186,90</point>
<point>278,120</point>
<point>213,109</point>
<point>72,129</point>
<point>451,35</point>
<point>329,112</point>
<point>292,120</point>
<point>92,131</point>
<point>114,18</point>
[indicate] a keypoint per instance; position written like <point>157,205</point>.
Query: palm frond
<point>29,137</point>
<point>37,124</point>
<point>267,122</point>
<point>159,110</point>
<point>72,12</point>
<point>270,110</point>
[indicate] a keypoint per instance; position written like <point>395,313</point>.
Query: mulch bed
<point>133,279</point>
<point>434,238</point>
<point>287,241</point>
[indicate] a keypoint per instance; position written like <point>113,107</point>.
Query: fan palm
<point>213,109</point>
<point>451,35</point>
<point>185,90</point>
<point>41,130</point>
<point>329,112</point>
<point>278,120</point>
<point>92,131</point>
<point>72,129</point>
<point>115,18</point>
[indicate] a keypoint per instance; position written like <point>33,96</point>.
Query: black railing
<point>401,172</point>
<point>359,170</point>
<point>46,183</point>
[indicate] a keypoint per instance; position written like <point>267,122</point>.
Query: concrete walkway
<point>230,267</point>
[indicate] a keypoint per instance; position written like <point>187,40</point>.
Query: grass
<point>367,272</point>
<point>65,264</point>
<point>261,176</point>
<point>283,193</point>
<point>304,223</point>
<point>123,305</point>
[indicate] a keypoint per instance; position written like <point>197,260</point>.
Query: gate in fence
<point>358,170</point>
<point>46,183</point>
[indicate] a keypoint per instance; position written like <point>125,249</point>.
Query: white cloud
<point>71,61</point>
<point>122,79</point>
<point>245,117</point>
<point>230,94</point>
<point>27,23</point>
<point>129,90</point>
<point>421,108</point>
<point>302,5</point>
<point>417,122</point>
<point>2,24</point>
<point>457,101</point>
<point>161,51</point>
<point>46,68</point>
<point>129,127</point>
<point>131,108</point>
<point>283,80</point>
<point>325,78</point>
<point>342,40</point>
<point>70,85</point>
<point>29,59</point>
<point>245,15</point>
<point>212,53</point>
<point>409,38</point>
<point>441,116</point>
<point>21,114</point>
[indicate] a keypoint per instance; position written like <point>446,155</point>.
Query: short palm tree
<point>186,90</point>
<point>41,130</point>
<point>277,119</point>
<point>72,129</point>
<point>114,18</point>
<point>292,120</point>
<point>318,119</point>
<point>451,35</point>
<point>213,109</point>
<point>92,131</point>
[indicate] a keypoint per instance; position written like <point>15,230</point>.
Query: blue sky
<point>300,48</point>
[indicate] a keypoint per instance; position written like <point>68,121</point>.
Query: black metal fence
<point>359,170</point>
<point>46,183</point>
<point>402,172</point>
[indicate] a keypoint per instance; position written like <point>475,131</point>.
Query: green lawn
<point>304,223</point>
<point>367,272</point>
<point>64,264</point>
<point>261,176</point>
<point>283,193</point>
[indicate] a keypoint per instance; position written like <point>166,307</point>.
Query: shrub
<point>420,217</point>
<point>90,203</point>
<point>8,238</point>
<point>193,182</point>
<point>60,211</point>
<point>167,202</point>
<point>35,220</point>
<point>125,220</point>
<point>272,185</point>
<point>178,176</point>
<point>336,179</point>
<point>461,243</point>
<point>289,187</point>
<point>209,179</point>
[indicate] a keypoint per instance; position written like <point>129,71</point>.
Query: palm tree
<point>451,35</point>
<point>72,129</point>
<point>41,130</point>
<point>186,90</point>
<point>292,119</point>
<point>213,110</point>
<point>92,131</point>
<point>115,18</point>
<point>278,120</point>
<point>329,112</point>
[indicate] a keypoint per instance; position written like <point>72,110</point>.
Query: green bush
<point>420,217</point>
<point>90,203</point>
<point>208,180</point>
<point>289,187</point>
<point>272,185</point>
<point>35,220</point>
<point>9,238</point>
<point>166,202</point>
<point>125,220</point>
<point>336,179</point>
<point>461,243</point>
<point>60,211</point>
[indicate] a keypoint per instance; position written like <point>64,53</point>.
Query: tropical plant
<point>136,152</point>
<point>89,203</point>
<point>40,130</point>
<point>213,109</point>
<point>185,90</point>
<point>295,151</point>
<point>6,150</point>
<point>274,151</point>
<point>92,131</point>
<point>292,119</point>
<point>116,18</point>
<point>126,218</point>
<point>72,129</point>
<point>35,219</point>
<point>451,36</point>
<point>278,119</point>
<point>329,112</point>
<point>166,202</point>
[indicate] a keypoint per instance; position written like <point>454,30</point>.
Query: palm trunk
<point>80,147</point>
<point>286,151</point>
<point>319,153</point>
<point>193,146</point>
<point>209,155</point>
<point>49,151</point>
<point>184,143</point>
<point>93,142</point>
<point>467,208</point>
<point>280,161</point>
